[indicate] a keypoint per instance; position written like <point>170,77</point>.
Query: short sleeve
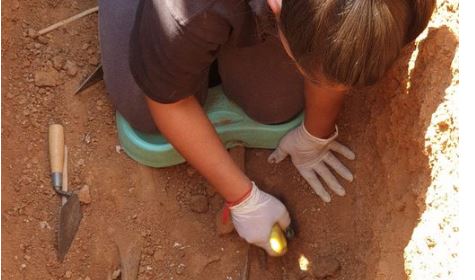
<point>170,57</point>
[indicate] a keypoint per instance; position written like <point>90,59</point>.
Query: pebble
<point>58,62</point>
<point>199,204</point>
<point>180,269</point>
<point>325,267</point>
<point>49,78</point>
<point>44,225</point>
<point>71,68</point>
<point>116,274</point>
<point>68,274</point>
<point>22,266</point>
<point>87,138</point>
<point>84,195</point>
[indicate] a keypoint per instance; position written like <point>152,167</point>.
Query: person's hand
<point>311,155</point>
<point>254,217</point>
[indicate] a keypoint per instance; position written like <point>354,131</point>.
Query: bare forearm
<point>322,106</point>
<point>188,129</point>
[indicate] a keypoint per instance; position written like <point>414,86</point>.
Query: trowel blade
<point>95,77</point>
<point>69,218</point>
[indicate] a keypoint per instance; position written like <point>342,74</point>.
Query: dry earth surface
<point>397,221</point>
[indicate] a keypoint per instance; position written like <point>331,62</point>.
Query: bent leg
<point>263,81</point>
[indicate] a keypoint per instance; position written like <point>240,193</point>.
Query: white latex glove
<point>311,155</point>
<point>254,217</point>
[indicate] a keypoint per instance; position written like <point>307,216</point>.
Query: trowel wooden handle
<point>56,147</point>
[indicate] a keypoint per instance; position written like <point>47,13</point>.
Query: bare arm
<point>322,105</point>
<point>188,129</point>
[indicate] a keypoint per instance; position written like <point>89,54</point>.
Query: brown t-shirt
<point>174,42</point>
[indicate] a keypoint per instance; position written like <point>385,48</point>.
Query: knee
<point>273,114</point>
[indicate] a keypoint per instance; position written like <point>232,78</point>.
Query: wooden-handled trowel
<point>70,213</point>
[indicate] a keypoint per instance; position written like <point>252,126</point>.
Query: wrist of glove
<point>254,217</point>
<point>313,156</point>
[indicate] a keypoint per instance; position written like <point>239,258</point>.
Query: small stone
<point>99,103</point>
<point>325,266</point>
<point>84,195</point>
<point>180,269</point>
<point>49,78</point>
<point>22,266</point>
<point>71,68</point>
<point>223,227</point>
<point>85,46</point>
<point>68,274</point>
<point>199,204</point>
<point>116,274</point>
<point>58,62</point>
<point>26,257</point>
<point>118,149</point>
<point>87,138</point>
<point>44,225</point>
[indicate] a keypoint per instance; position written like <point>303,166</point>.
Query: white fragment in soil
<point>44,225</point>
<point>71,68</point>
<point>118,149</point>
<point>68,274</point>
<point>84,195</point>
<point>116,274</point>
<point>180,269</point>
<point>149,268</point>
<point>87,138</point>
<point>176,245</point>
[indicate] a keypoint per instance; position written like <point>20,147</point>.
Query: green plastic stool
<point>233,126</point>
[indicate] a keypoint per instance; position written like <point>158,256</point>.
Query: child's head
<point>350,42</point>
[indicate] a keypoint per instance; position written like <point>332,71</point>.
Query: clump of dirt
<point>397,220</point>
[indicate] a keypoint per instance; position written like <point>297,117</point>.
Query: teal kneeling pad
<point>233,126</point>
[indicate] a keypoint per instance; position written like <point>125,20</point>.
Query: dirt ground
<point>397,221</point>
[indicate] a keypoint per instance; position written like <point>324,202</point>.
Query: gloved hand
<point>311,155</point>
<point>254,217</point>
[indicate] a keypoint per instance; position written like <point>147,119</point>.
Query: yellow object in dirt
<point>277,240</point>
